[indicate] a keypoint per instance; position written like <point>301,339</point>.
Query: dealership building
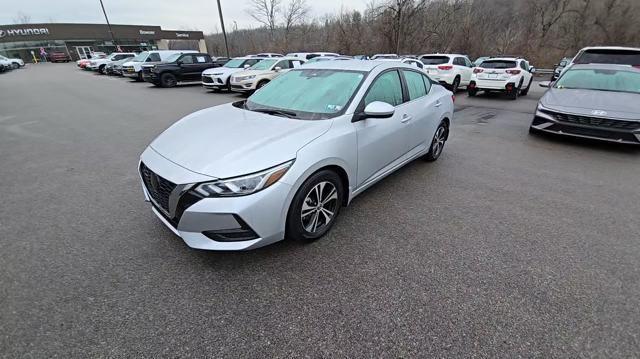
<point>79,40</point>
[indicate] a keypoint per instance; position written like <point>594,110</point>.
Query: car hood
<point>227,141</point>
<point>222,70</point>
<point>619,105</point>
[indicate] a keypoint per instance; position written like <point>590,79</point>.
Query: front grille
<point>158,188</point>
<point>598,122</point>
<point>207,80</point>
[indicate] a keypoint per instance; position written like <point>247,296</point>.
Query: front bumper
<point>213,82</point>
<point>243,86</point>
<point>545,121</point>
<point>262,213</point>
<point>130,73</point>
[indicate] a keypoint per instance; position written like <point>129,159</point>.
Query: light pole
<point>224,32</point>
<point>109,25</point>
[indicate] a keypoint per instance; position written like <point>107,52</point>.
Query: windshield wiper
<point>284,113</point>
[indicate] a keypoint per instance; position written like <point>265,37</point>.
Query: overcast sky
<point>169,14</point>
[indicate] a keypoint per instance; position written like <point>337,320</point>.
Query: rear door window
<point>415,84</point>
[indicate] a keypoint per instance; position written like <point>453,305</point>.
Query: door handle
<point>406,118</point>
<point>438,103</point>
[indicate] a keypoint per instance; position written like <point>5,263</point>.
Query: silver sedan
<point>283,162</point>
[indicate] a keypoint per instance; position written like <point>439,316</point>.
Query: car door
<point>382,142</point>
<point>526,75</point>
<point>423,109</point>
<point>201,62</point>
<point>467,71</point>
<point>188,68</point>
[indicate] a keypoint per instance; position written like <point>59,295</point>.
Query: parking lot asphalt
<point>510,245</point>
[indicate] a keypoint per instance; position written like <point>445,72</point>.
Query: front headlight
<point>244,185</point>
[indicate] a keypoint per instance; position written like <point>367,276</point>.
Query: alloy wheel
<point>319,207</point>
<point>438,141</point>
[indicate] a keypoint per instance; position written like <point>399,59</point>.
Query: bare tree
<point>22,18</point>
<point>266,13</point>
<point>293,14</point>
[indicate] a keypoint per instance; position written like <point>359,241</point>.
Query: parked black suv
<point>177,68</point>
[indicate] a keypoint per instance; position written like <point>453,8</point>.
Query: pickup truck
<point>177,68</point>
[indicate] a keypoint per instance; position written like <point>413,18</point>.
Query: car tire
<point>525,92</point>
<point>15,65</point>
<point>261,84</point>
<point>456,84</point>
<point>229,84</point>
<point>515,92</point>
<point>101,69</point>
<point>168,80</point>
<point>437,143</point>
<point>308,221</point>
<point>472,92</point>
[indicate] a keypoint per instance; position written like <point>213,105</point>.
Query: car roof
<point>503,59</point>
<point>356,65</point>
<point>443,55</point>
<point>610,48</point>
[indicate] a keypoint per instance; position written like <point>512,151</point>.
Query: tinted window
<point>459,61</point>
<point>427,83</point>
<point>499,64</point>
<point>467,62</point>
<point>415,84</point>
<point>435,60</point>
<point>620,57</point>
<point>153,57</point>
<point>386,88</point>
<point>524,66</point>
<point>284,64</point>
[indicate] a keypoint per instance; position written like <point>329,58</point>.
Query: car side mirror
<point>532,70</point>
<point>179,62</point>
<point>246,66</point>
<point>379,109</point>
<point>277,68</point>
<point>546,84</point>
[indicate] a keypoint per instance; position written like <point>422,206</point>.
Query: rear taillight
<point>445,67</point>
<point>477,71</point>
<point>513,72</point>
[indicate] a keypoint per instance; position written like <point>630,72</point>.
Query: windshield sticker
<point>334,108</point>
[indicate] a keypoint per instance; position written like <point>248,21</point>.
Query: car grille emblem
<point>599,113</point>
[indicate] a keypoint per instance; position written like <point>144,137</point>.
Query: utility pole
<point>224,32</point>
<point>113,39</point>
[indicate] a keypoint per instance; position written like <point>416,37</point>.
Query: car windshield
<point>173,58</point>
<point>434,60</point>
<point>264,65</point>
<point>601,80</point>
<point>308,94</point>
<point>141,57</point>
<point>498,64</point>
<point>617,57</point>
<point>235,63</point>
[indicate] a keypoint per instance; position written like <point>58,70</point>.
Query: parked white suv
<point>133,68</point>
<point>510,75</point>
<point>13,63</point>
<point>99,64</point>
<point>219,78</point>
<point>261,73</point>
<point>451,70</point>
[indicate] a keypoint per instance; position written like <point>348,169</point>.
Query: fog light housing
<point>244,233</point>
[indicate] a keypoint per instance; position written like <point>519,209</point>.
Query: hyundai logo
<point>599,113</point>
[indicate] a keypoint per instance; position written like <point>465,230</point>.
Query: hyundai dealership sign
<point>24,32</point>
